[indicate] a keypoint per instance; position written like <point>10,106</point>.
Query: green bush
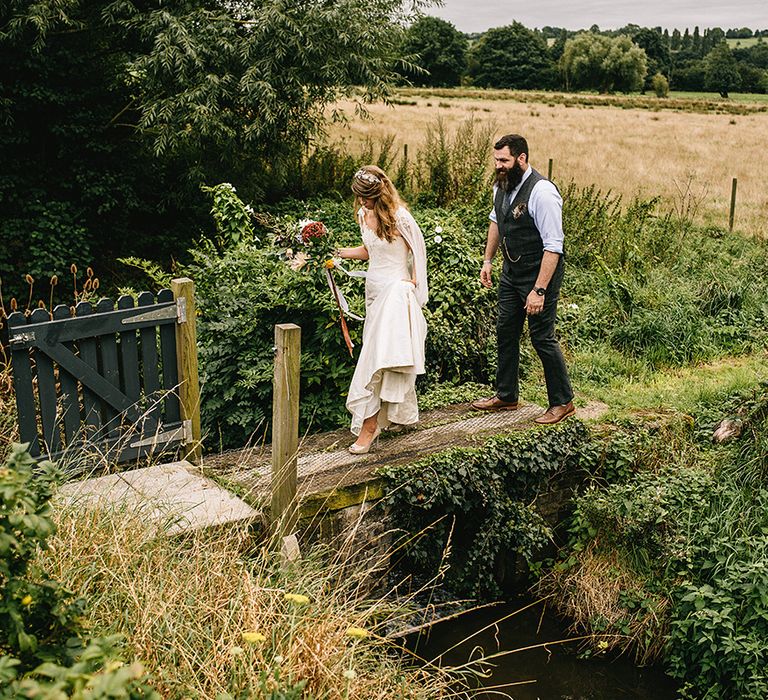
<point>35,611</point>
<point>641,516</point>
<point>246,288</point>
<point>659,291</point>
<point>719,628</point>
<point>687,534</point>
<point>660,85</point>
<point>93,675</point>
<point>42,239</point>
<point>43,653</point>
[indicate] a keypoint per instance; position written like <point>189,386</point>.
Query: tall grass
<point>9,431</point>
<point>213,615</point>
<point>634,146</point>
<point>453,167</point>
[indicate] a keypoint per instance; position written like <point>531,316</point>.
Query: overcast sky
<point>479,15</point>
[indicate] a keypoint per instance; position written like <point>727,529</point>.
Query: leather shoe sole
<point>495,404</point>
<point>554,414</point>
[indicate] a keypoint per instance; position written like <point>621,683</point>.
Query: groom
<point>526,224</point>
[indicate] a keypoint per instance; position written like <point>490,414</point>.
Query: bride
<point>383,386</point>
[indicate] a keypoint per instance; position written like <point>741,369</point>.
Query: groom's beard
<point>509,178</point>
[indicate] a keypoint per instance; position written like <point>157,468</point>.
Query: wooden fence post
<point>285,427</point>
<point>733,205</point>
<point>186,359</point>
<point>549,170</point>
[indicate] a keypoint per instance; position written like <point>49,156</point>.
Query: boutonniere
<point>519,210</point>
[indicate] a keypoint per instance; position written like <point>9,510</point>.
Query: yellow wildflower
<point>602,645</point>
<point>26,600</point>
<point>297,598</point>
<point>357,632</point>
<point>329,263</point>
<point>253,637</point>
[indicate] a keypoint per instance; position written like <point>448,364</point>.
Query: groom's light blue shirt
<point>545,205</point>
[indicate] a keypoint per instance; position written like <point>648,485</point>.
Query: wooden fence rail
<point>106,379</point>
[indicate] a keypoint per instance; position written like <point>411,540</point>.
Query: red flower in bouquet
<point>312,230</point>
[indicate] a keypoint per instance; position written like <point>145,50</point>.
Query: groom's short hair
<point>516,144</point>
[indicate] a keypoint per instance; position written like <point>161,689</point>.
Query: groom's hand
<point>485,274</point>
<point>534,304</point>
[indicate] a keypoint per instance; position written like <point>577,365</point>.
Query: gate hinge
<point>21,338</point>
<point>181,310</point>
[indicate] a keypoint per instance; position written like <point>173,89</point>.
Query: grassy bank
<point>668,563</point>
<point>213,616</point>
<point>113,608</point>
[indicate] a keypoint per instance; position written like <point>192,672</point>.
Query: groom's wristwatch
<point>541,291</point>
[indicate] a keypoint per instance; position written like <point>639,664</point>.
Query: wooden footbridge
<point>109,384</point>
<point>236,486</point>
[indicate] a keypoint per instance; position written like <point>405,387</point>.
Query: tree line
<point>114,113</point>
<point>628,59</point>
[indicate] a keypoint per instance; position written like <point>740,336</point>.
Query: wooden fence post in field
<point>549,170</point>
<point>285,427</point>
<point>186,359</point>
<point>733,205</point>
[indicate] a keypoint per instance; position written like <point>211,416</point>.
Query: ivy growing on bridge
<point>474,507</point>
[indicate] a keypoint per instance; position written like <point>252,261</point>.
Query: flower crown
<point>367,177</point>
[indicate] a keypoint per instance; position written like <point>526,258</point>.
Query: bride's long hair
<point>371,182</point>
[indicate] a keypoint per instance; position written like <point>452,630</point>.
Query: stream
<point>552,672</point>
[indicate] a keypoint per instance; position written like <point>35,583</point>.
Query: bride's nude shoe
<point>356,449</point>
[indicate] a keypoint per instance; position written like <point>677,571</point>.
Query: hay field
<point>688,158</point>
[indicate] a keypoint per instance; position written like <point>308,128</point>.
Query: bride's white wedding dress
<point>392,354</point>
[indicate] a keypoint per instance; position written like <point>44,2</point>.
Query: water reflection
<point>555,670</point>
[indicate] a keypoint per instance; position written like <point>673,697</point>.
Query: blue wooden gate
<point>104,380</point>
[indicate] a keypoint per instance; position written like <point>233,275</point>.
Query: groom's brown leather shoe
<point>554,414</point>
<point>495,404</point>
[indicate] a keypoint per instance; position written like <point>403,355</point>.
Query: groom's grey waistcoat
<point>518,234</point>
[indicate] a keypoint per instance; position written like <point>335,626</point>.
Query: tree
<point>743,33</point>
<point>593,61</point>
<point>657,51</point>
<point>756,55</point>
<point>660,85</point>
<point>512,57</point>
<point>686,42</point>
<point>556,50</point>
<point>113,114</point>
<point>689,75</point>
<point>675,40</point>
<point>441,49</point>
<point>722,70</point>
<point>753,79</point>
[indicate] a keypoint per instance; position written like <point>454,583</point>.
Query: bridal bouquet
<point>308,245</point>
